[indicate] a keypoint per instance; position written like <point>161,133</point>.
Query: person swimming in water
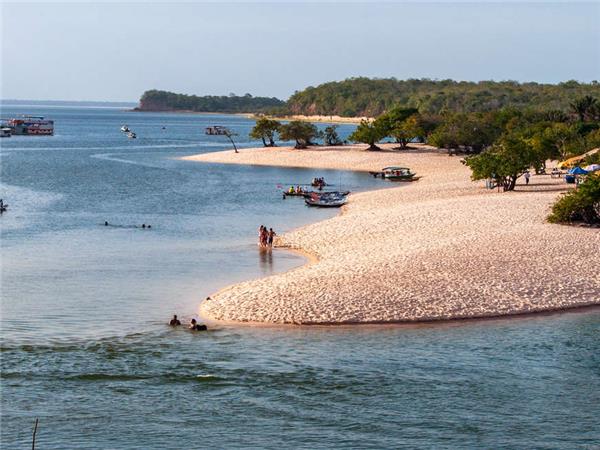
<point>174,321</point>
<point>194,326</point>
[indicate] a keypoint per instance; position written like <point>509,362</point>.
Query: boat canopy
<point>395,168</point>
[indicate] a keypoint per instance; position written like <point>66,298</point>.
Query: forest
<point>365,97</point>
<point>155,100</point>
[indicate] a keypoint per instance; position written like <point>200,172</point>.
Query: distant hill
<point>370,97</point>
<point>168,101</point>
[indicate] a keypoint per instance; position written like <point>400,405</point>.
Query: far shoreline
<point>339,120</point>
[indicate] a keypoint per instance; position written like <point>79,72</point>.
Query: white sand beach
<point>439,248</point>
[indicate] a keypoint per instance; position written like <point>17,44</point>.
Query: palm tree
<point>584,106</point>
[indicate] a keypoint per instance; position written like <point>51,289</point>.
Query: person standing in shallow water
<point>263,235</point>
<point>174,321</point>
<point>270,237</point>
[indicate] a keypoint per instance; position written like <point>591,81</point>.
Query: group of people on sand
<point>266,236</point>
<point>194,325</point>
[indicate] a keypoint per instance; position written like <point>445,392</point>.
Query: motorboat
<point>125,129</point>
<point>5,132</point>
<point>131,135</point>
<point>395,173</point>
<point>327,199</point>
<point>306,194</point>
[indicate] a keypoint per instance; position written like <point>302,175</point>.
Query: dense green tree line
<point>168,101</point>
<point>371,97</point>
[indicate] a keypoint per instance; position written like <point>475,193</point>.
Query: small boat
<point>216,130</point>
<point>398,174</point>
<point>5,132</point>
<point>318,182</point>
<point>125,129</point>
<point>131,135</point>
<point>309,193</point>
<point>296,193</point>
<point>327,199</point>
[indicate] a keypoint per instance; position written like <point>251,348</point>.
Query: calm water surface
<point>85,348</point>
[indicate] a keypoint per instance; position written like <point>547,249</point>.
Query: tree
<point>564,138</point>
<point>265,129</point>
<point>230,134</point>
<point>473,131</point>
<point>585,107</point>
<point>504,162</point>
<point>331,136</point>
<point>408,129</point>
<point>299,131</point>
<point>393,117</point>
<point>369,132</point>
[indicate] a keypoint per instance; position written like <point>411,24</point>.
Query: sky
<point>114,51</point>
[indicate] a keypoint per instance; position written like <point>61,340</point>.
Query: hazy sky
<point>115,51</point>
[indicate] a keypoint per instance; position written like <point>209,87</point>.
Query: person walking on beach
<point>527,175</point>
<point>270,237</point>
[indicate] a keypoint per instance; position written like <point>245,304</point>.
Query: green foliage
<point>586,108</point>
<point>155,100</point>
<point>504,162</point>
<point>581,204</point>
<point>356,97</point>
<point>391,118</point>
<point>410,128</point>
<point>301,132</point>
<point>370,132</point>
<point>472,132</point>
<point>565,139</point>
<point>265,129</point>
<point>331,137</point>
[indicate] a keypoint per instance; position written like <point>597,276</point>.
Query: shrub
<point>581,204</point>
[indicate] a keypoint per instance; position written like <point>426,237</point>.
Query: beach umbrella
<point>578,171</point>
<point>592,167</point>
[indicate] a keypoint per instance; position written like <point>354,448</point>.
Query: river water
<point>86,350</point>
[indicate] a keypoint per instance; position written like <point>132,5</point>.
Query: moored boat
<point>397,174</point>
<point>125,129</point>
<point>31,126</point>
<point>5,132</point>
<point>327,199</point>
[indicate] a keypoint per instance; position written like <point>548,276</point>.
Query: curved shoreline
<point>439,249</point>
